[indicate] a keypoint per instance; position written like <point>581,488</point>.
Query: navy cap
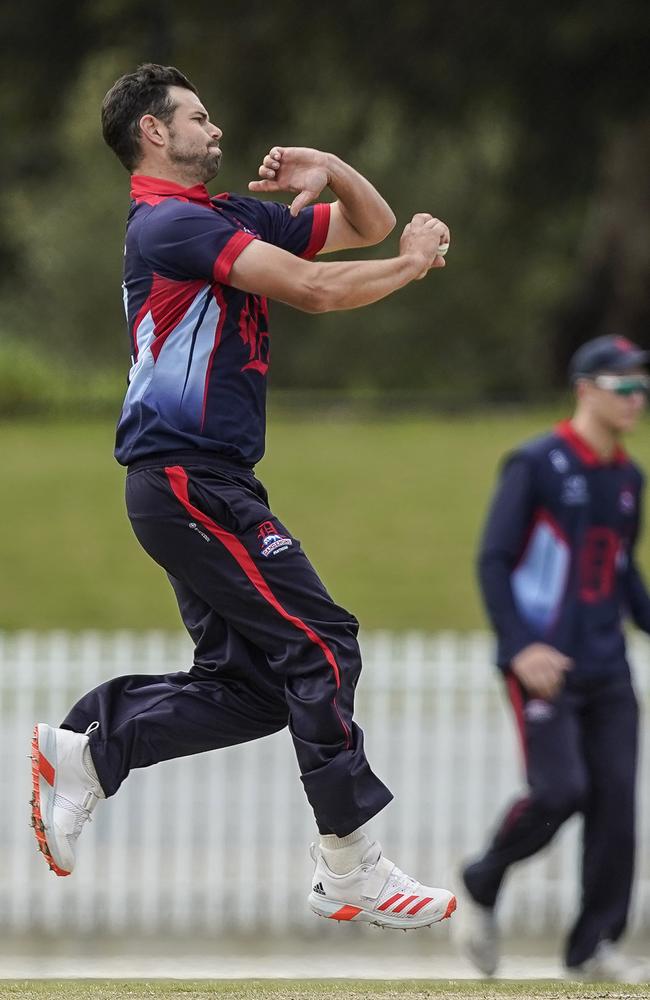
<point>606,354</point>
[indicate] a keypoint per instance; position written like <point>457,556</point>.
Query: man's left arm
<point>359,217</point>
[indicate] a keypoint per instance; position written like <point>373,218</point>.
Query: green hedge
<point>32,383</point>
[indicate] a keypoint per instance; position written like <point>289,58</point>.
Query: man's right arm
<point>315,286</point>
<point>538,666</point>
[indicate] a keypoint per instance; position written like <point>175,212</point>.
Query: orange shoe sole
<point>41,768</point>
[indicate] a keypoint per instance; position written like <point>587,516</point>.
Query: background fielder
<point>558,572</point>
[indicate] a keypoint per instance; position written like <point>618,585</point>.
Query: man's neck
<point>164,172</point>
<point>603,440</point>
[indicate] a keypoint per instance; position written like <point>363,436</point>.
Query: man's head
<point>611,382</point>
<point>154,122</point>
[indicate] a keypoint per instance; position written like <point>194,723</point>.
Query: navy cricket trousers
<point>271,647</point>
<point>581,755</point>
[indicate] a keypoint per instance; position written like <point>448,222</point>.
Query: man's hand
<point>422,237</point>
<point>293,168</point>
<point>541,669</point>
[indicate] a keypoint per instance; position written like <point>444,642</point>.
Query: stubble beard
<point>203,167</point>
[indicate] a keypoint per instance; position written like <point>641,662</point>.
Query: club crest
<point>271,541</point>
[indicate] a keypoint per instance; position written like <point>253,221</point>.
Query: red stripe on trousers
<point>517,702</point>
<point>178,481</point>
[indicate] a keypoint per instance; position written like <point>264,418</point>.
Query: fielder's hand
<point>541,669</point>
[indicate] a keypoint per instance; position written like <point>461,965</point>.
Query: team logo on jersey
<point>574,491</point>
<point>626,501</point>
<point>271,541</point>
<point>254,332</point>
<point>538,710</point>
<point>559,461</point>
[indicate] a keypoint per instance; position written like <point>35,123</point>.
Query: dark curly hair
<point>145,92</point>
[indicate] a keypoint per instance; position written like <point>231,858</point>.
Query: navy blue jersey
<point>556,561</point>
<point>200,348</point>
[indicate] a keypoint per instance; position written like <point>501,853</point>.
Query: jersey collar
<point>155,189</point>
<point>583,449</point>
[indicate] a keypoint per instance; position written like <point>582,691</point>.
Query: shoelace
<point>404,880</point>
<point>82,815</point>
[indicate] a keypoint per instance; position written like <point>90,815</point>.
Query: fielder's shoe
<point>65,789</point>
<point>609,965</point>
<point>377,892</point>
<point>479,937</point>
<point>478,934</point>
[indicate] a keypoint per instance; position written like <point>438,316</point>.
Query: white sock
<point>342,854</point>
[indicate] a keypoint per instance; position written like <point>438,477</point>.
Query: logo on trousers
<point>194,526</point>
<point>538,710</point>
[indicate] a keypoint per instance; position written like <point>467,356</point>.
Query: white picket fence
<point>220,841</point>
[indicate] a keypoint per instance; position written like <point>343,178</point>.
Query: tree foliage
<point>523,125</point>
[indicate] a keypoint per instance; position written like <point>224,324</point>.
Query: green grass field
<point>289,989</point>
<point>389,511</point>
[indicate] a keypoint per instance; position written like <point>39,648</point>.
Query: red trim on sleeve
<point>224,262</point>
<point>319,229</point>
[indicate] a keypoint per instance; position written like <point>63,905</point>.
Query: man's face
<point>617,400</point>
<point>193,141</point>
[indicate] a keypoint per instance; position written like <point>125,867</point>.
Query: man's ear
<point>580,387</point>
<point>152,130</point>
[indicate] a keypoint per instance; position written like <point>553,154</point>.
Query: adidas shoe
<point>609,965</point>
<point>376,892</point>
<point>65,792</point>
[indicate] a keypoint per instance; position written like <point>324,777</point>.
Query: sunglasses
<point>623,385</point>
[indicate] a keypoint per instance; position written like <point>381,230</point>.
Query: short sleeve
<point>184,241</point>
<point>303,235</point>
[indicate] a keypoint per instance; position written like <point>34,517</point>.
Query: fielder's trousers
<point>271,647</point>
<point>581,756</point>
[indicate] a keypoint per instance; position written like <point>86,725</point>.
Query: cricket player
<point>558,575</point>
<point>272,649</point>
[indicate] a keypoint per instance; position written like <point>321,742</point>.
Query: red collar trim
<point>154,189</point>
<point>583,449</point>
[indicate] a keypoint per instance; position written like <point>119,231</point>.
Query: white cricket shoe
<point>609,965</point>
<point>65,792</point>
<point>479,936</point>
<point>376,892</point>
